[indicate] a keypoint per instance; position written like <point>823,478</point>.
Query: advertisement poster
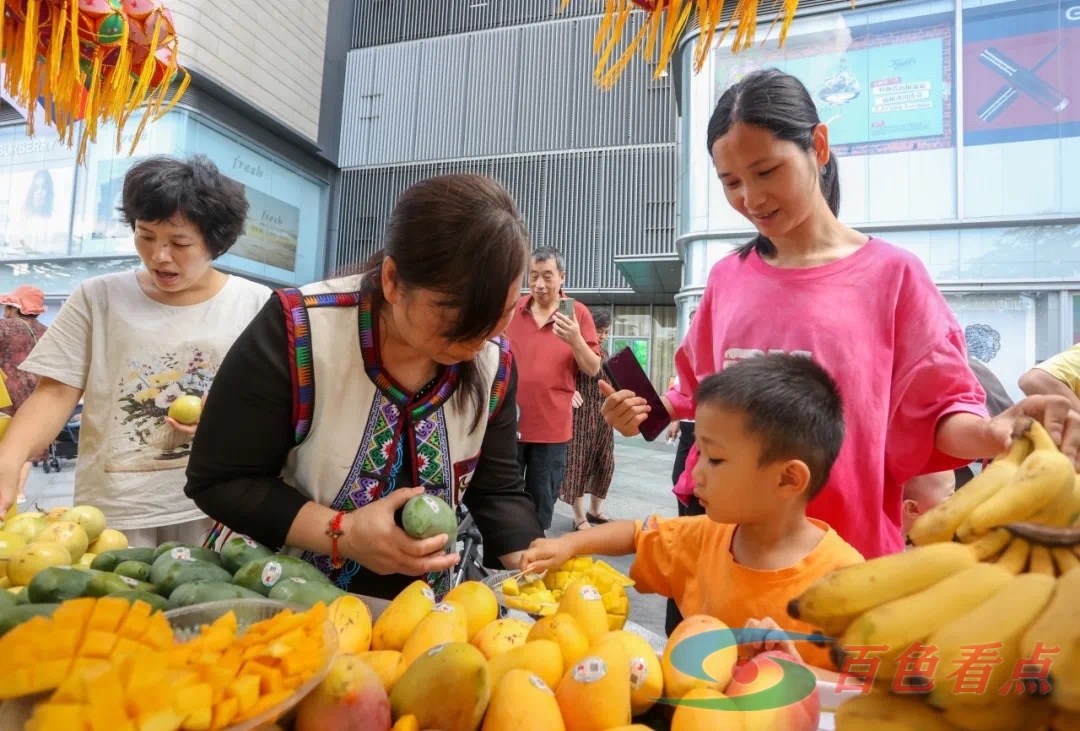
<point>38,212</point>
<point>270,232</point>
<point>877,94</point>
<point>1020,72</point>
<point>889,83</point>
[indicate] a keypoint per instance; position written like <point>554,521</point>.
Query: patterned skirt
<point>590,456</point>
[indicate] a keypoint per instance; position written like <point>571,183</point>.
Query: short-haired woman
<point>129,344</point>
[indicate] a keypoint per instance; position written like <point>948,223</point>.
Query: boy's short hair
<point>159,187</point>
<point>790,403</point>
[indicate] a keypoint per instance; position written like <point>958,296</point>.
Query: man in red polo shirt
<point>548,349</point>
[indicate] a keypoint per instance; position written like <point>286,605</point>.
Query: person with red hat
<point>20,331</point>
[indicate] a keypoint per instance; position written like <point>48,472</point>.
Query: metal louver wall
<point>590,205</point>
<point>378,22</point>
<point>508,91</point>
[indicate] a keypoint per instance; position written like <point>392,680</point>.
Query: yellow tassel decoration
<point>663,27</point>
<point>90,63</point>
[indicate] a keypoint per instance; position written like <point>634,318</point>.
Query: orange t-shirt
<point>689,560</point>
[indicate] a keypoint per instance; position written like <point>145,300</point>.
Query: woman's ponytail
<point>830,184</point>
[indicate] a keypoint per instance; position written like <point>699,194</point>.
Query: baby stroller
<point>66,444</point>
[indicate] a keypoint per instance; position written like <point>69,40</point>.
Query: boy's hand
<point>776,639</point>
<point>543,554</point>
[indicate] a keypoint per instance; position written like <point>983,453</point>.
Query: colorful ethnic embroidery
<point>401,428</point>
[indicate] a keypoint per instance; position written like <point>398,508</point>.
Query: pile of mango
<point>455,665</point>
<point>112,664</point>
<point>540,597</point>
<point>169,576</point>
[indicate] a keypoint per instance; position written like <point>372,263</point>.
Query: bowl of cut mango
<point>539,595</point>
<point>110,663</point>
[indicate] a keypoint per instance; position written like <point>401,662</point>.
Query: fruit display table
<point>655,719</point>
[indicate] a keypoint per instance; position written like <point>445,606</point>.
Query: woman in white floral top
<point>129,344</point>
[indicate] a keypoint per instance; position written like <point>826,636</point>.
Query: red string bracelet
<point>335,532</point>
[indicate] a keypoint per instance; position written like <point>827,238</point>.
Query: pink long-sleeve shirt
<point>881,328</point>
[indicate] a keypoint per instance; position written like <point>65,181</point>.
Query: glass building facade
<point>59,222</point>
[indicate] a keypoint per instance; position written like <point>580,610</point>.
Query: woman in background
<point>590,460</point>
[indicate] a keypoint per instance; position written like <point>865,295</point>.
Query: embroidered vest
<point>355,433</point>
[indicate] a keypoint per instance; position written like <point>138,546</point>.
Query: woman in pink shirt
<point>866,310</point>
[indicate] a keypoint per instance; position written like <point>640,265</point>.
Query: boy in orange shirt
<point>769,430</point>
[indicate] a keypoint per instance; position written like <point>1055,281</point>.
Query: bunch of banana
<point>996,570</point>
<point>1032,484</point>
<point>919,618</point>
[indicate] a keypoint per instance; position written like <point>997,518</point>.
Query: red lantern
<point>102,59</point>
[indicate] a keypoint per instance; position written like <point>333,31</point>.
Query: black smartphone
<point>625,373</point>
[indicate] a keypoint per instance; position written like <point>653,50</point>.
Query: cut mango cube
<point>245,690</point>
<point>224,713</point>
<point>98,643</point>
<point>134,624</point>
<point>108,613</point>
<point>198,720</point>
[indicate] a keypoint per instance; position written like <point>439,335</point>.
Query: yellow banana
<point>939,524</point>
<point>987,638</point>
<point>1040,561</point>
<point>836,599</point>
<point>901,624</point>
<point>1042,477</point>
<point>991,545</point>
<point>1064,559</point>
<point>1058,626</point>
<point>877,711</point>
<point>1002,713</point>
<point>1014,559</point>
<point>1065,676</point>
<point>1061,511</point>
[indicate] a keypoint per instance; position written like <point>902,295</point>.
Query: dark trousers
<point>682,451</point>
<point>543,466</point>
<point>686,440</point>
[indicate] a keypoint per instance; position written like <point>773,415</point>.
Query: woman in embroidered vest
<point>345,398</point>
